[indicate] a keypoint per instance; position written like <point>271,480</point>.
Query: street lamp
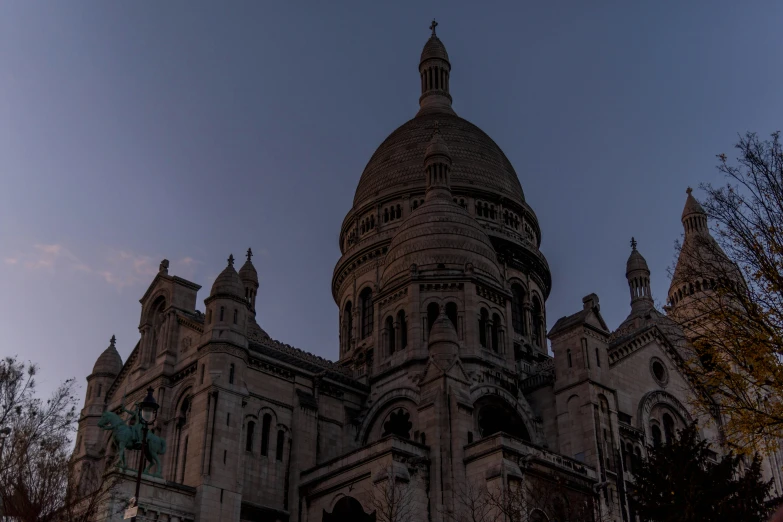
<point>148,413</point>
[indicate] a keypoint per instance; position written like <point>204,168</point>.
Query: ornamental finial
<point>433,25</point>
<point>633,243</point>
<point>688,191</point>
<point>249,254</point>
<point>112,341</point>
<point>231,260</point>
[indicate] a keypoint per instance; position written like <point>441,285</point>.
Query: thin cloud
<point>120,268</point>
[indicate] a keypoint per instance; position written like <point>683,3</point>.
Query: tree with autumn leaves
<point>728,296</point>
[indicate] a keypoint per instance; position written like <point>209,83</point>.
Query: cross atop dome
<point>688,191</point>
<point>112,340</point>
<point>633,243</point>
<point>249,254</point>
<point>433,25</point>
<point>231,260</point>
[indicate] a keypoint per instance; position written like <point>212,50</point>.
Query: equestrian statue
<point>128,435</point>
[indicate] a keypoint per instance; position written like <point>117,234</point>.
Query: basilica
<point>445,378</point>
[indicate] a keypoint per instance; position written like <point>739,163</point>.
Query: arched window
<point>209,316</point>
<point>280,442</point>
<point>636,460</point>
<point>236,316</point>
<point>347,325</point>
<point>483,325</point>
<point>568,355</point>
<point>451,313</point>
<point>231,374</point>
<point>627,457</point>
<point>399,212</point>
<point>538,322</point>
<point>495,330</point>
<point>367,312</point>
<point>656,435</point>
<point>403,326</point>
<point>222,312</point>
<point>517,312</point>
<point>597,357</point>
<point>390,337</point>
<point>433,310</point>
<point>668,428</point>
<point>386,215</point>
<point>251,429</point>
<point>265,434</point>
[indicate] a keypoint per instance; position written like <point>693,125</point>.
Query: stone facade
<point>443,379</point>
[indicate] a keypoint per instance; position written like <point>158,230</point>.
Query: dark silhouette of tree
<point>38,480</point>
<point>683,482</point>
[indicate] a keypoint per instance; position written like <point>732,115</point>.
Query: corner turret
<point>227,308</point>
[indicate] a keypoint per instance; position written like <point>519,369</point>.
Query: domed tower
<point>107,367</point>
<point>700,265</point>
<point>249,278</point>
<point>434,69</point>
<point>227,308</point>
<point>487,232</point>
<point>638,274</point>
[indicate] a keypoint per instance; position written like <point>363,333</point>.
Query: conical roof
<point>248,271</point>
<point>635,261</point>
<point>443,331</point>
<point>109,362</point>
<point>692,206</point>
<point>434,48</point>
<point>228,282</point>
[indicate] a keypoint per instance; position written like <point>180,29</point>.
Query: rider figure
<point>136,426</point>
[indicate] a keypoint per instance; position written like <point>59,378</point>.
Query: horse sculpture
<point>130,437</point>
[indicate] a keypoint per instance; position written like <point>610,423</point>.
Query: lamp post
<point>148,414</point>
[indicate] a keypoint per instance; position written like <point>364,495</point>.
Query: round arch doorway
<point>348,509</point>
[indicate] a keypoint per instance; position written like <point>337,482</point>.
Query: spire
<point>701,261</point>
<point>434,73</point>
<point>437,165</point>
<point>694,218</point>
<point>638,274</point>
<point>249,278</point>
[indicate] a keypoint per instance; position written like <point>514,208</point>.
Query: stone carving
<point>130,437</point>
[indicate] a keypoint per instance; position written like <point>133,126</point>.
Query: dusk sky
<point>136,131</point>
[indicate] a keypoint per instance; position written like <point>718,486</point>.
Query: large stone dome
<point>477,160</point>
